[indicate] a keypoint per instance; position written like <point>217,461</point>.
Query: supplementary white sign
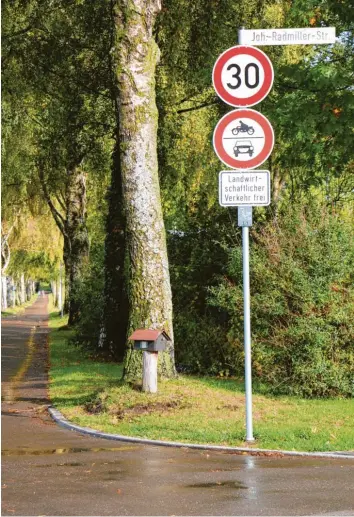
<point>306,36</point>
<point>243,76</point>
<point>249,188</point>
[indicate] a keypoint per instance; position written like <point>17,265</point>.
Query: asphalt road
<point>47,470</point>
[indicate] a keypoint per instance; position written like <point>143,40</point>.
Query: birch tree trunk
<point>72,225</point>
<point>28,290</point>
<point>150,297</point>
<point>4,292</point>
<point>58,293</point>
<point>9,291</point>
<point>53,285</point>
<point>23,289</point>
<point>18,292</point>
<point>13,287</point>
<point>76,245</point>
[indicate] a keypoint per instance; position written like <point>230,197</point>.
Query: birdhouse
<point>150,340</point>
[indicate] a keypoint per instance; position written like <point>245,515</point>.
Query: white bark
<point>4,292</point>
<point>5,255</point>
<point>150,371</point>
<point>23,289</point>
<point>28,290</point>
<point>53,285</point>
<point>18,292</point>
<point>13,287</point>
<point>150,290</point>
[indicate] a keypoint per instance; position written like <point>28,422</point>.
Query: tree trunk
<point>58,293</point>
<point>13,288</point>
<point>113,335</point>
<point>23,289</point>
<point>149,287</point>
<point>18,292</point>
<point>28,290</point>
<point>4,292</point>
<point>53,284</point>
<point>73,228</point>
<point>67,269</point>
<point>76,244</point>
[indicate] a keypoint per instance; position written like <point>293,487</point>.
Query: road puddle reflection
<point>220,484</point>
<point>44,452</point>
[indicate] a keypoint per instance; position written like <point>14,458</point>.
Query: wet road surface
<point>47,470</point>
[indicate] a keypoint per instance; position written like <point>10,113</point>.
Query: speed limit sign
<point>243,76</point>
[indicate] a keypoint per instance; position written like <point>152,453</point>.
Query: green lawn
<point>189,409</point>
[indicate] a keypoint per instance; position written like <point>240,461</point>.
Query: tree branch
<point>61,203</point>
<point>5,256</point>
<point>58,218</point>
<point>205,105</point>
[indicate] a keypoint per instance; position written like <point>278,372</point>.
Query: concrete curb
<point>63,422</point>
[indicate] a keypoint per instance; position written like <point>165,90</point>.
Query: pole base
<point>250,440</point>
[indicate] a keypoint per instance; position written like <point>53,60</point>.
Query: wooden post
<point>150,371</point>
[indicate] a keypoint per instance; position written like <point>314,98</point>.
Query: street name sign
<point>297,36</point>
<point>243,139</point>
<point>243,76</point>
<point>244,188</point>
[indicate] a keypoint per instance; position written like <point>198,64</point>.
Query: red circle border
<point>268,76</point>
<point>268,139</point>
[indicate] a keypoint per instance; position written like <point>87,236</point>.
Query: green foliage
<point>58,108</point>
<point>302,304</point>
<point>88,294</point>
<point>35,265</point>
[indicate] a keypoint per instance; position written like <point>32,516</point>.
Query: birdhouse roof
<point>148,335</point>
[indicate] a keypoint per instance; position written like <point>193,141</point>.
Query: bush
<point>302,304</point>
<point>89,295</point>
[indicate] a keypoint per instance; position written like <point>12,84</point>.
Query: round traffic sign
<point>243,76</point>
<point>243,139</point>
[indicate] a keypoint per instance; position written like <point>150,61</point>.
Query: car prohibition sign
<point>243,76</point>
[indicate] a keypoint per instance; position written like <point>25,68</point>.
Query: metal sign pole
<point>245,220</point>
<point>247,331</point>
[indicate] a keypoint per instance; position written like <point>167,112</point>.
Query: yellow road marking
<point>9,391</point>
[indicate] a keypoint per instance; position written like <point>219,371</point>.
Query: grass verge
<point>18,309</point>
<point>189,409</point>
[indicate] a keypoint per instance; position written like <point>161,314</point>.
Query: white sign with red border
<point>243,76</point>
<point>243,139</point>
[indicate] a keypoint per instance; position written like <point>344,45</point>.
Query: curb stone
<point>63,422</point>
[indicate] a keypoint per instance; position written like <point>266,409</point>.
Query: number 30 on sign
<point>243,76</point>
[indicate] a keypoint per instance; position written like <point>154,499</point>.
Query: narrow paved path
<point>47,470</point>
